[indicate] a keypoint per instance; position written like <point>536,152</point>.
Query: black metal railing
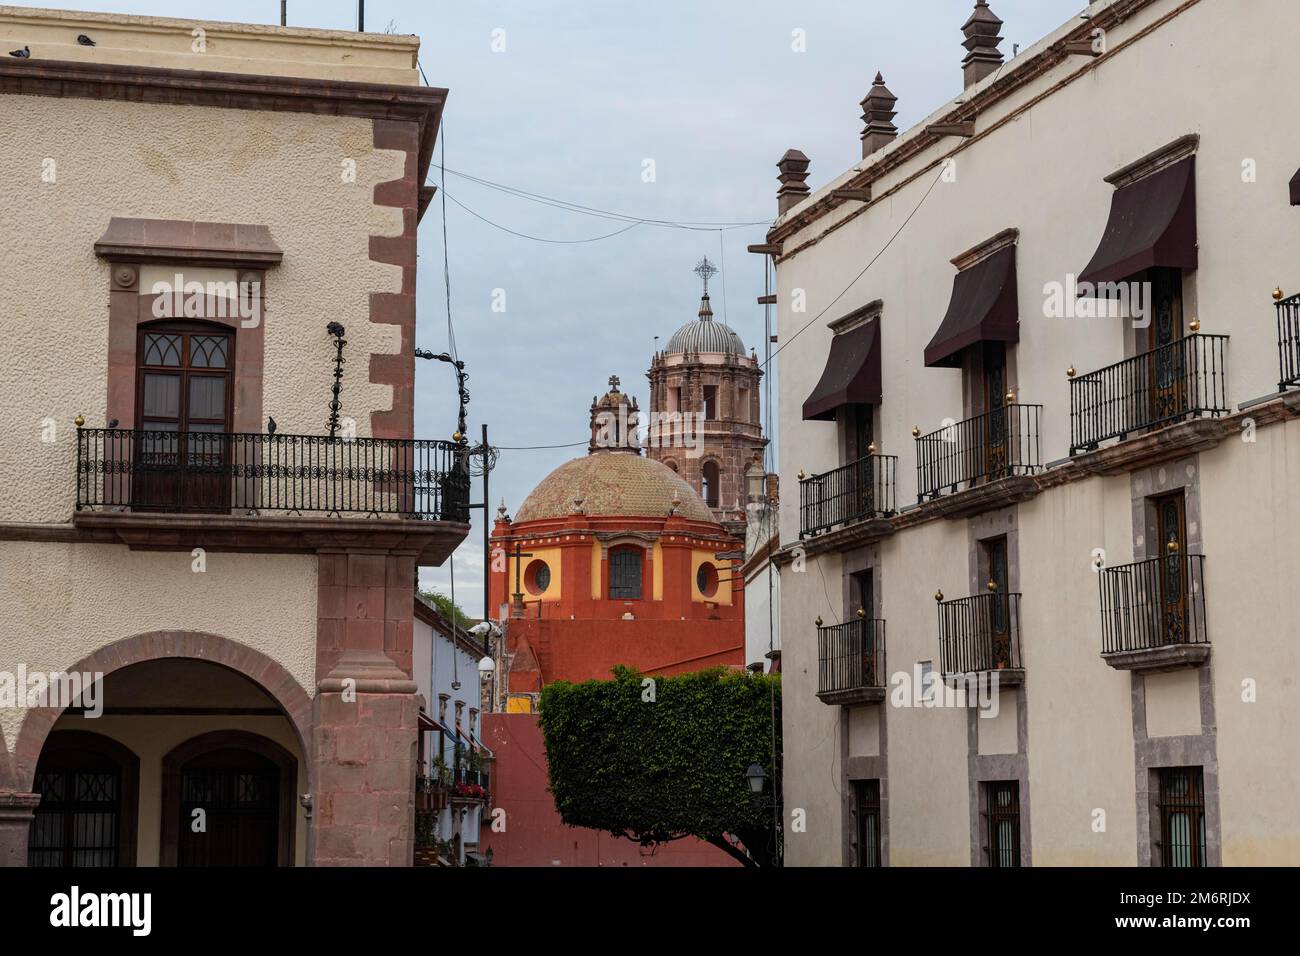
<point>851,656</point>
<point>1186,378</point>
<point>1154,603</point>
<point>1288,343</point>
<point>222,472</point>
<point>855,492</point>
<point>980,633</point>
<point>997,444</point>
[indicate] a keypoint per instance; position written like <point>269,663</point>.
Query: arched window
<point>706,579</point>
<point>625,574</point>
<point>710,481</point>
<point>537,577</point>
<point>87,816</point>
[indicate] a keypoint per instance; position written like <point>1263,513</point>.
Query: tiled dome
<point>613,483</point>
<point>705,335</point>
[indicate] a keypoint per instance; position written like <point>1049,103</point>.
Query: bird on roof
<point>85,40</point>
<point>270,425</point>
<point>22,54</point>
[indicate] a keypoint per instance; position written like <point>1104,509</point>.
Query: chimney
<point>794,170</point>
<point>878,115</point>
<point>982,54</point>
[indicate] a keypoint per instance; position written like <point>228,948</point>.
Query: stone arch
<point>267,674</point>
<point>6,768</point>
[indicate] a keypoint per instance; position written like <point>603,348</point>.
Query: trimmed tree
<point>655,759</point>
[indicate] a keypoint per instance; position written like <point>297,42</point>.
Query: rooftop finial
<point>613,383</point>
<point>878,117</point>
<point>705,269</point>
<point>793,167</point>
<point>982,54</point>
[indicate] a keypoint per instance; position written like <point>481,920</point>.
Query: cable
<point>707,225</point>
<point>524,235</point>
<point>572,444</point>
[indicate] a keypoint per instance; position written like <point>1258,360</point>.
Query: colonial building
<point>1041,416</point>
<point>704,420</point>
<point>214,506</point>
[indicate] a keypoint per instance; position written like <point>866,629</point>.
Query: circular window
<point>537,577</point>
<point>706,580</point>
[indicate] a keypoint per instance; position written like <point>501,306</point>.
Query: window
<point>866,805</point>
<point>1181,807</point>
<point>927,680</point>
<point>710,403</point>
<point>706,579</point>
<point>86,817</point>
<point>537,577</point>
<point>625,574</point>
<point>710,482</point>
<point>1002,799</point>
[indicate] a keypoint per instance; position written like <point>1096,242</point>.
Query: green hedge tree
<point>657,759</point>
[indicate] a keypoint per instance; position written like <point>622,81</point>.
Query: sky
<point>672,110</point>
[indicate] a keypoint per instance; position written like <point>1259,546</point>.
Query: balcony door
<point>183,417</point>
<point>1166,362</point>
<point>864,599</point>
<point>1171,533</point>
<point>995,405</point>
<point>995,561</point>
<point>858,436</point>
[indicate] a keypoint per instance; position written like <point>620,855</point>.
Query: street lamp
<point>756,777</point>
<point>756,481</point>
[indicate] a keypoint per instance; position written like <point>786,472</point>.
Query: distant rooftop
<point>254,49</point>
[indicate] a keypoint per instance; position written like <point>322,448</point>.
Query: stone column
<point>16,809</point>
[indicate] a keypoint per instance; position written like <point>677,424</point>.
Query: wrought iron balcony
<point>858,491</point>
<point>980,634</point>
<point>1153,613</point>
<point>851,662</point>
<point>997,444</point>
<point>246,473</point>
<point>1288,342</point>
<point>1184,379</point>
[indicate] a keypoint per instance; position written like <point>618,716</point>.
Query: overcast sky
<point>583,94</point>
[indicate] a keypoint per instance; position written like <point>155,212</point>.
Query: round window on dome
<point>706,579</point>
<point>537,577</point>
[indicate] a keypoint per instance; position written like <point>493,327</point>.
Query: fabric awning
<point>983,308</point>
<point>1152,223</point>
<point>425,722</point>
<point>851,376</point>
<point>1295,190</point>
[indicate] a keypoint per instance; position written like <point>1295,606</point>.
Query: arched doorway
<point>228,800</point>
<point>89,789</point>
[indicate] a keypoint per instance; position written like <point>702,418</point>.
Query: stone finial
<point>794,170</point>
<point>878,117</point>
<point>982,39</point>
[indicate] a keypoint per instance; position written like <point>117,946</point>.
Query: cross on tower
<point>705,270</point>
<point>613,383</point>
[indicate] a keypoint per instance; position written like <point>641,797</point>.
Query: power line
<point>524,235</point>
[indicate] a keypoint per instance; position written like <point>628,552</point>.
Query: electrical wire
<point>524,235</point>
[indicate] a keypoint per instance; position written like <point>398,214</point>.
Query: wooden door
<point>862,477</point>
<point>1171,524</point>
<point>238,793</point>
<point>183,416</point>
<point>864,598</point>
<point>1167,361</point>
<point>999,644</point>
<point>996,424</point>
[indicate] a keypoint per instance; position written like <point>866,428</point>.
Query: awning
<point>1152,223</point>
<point>851,376</point>
<point>983,308</point>
<point>479,745</point>
<point>425,722</point>
<point>1295,190</point>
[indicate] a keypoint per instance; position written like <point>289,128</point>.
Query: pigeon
<point>85,40</point>
<point>22,54</point>
<point>113,423</point>
<point>270,425</point>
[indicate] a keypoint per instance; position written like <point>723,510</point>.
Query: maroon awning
<point>1295,190</point>
<point>983,308</point>
<point>851,376</point>
<point>1152,223</point>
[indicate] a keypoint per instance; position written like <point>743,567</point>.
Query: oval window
<point>706,580</point>
<point>537,577</point>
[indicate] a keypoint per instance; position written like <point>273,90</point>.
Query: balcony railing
<point>1186,378</point>
<point>220,473</point>
<point>851,658</point>
<point>997,444</point>
<point>860,490</point>
<point>1288,342</point>
<point>1155,603</point>
<point>980,633</point>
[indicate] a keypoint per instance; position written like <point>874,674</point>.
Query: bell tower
<point>704,420</point>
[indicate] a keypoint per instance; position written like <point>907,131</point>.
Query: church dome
<point>706,335</point>
<point>613,484</point>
